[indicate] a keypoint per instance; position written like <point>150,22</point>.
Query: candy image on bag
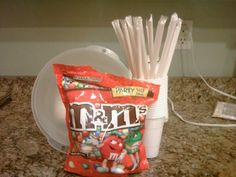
<point>105,116</point>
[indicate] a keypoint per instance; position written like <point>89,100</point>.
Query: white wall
<point>32,32</point>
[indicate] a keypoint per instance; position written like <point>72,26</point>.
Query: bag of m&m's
<point>105,117</point>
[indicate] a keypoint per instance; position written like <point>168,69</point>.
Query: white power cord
<point>196,123</point>
<point>199,74</point>
<point>214,89</point>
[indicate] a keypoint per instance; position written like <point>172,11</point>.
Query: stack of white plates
<point>47,107</point>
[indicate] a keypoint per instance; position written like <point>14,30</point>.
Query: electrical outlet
<point>184,40</point>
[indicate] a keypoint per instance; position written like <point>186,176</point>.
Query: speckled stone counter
<point>186,150</point>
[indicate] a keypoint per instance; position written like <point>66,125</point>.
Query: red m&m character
<point>112,150</point>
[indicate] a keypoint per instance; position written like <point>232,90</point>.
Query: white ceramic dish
<point>47,107</point>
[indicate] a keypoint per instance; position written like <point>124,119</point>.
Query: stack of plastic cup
<point>156,116</point>
<point>160,107</point>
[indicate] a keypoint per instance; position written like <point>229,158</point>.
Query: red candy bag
<point>105,116</point>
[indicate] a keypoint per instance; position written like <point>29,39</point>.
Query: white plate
<point>48,109</point>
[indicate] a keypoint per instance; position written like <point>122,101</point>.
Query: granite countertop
<point>186,150</point>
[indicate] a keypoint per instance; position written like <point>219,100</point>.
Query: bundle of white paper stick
<point>146,57</point>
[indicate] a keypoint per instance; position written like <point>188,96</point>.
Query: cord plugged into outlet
<point>184,41</point>
<point>212,88</point>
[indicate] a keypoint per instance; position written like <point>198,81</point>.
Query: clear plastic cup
<point>156,116</point>
<point>159,108</point>
<point>152,136</point>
